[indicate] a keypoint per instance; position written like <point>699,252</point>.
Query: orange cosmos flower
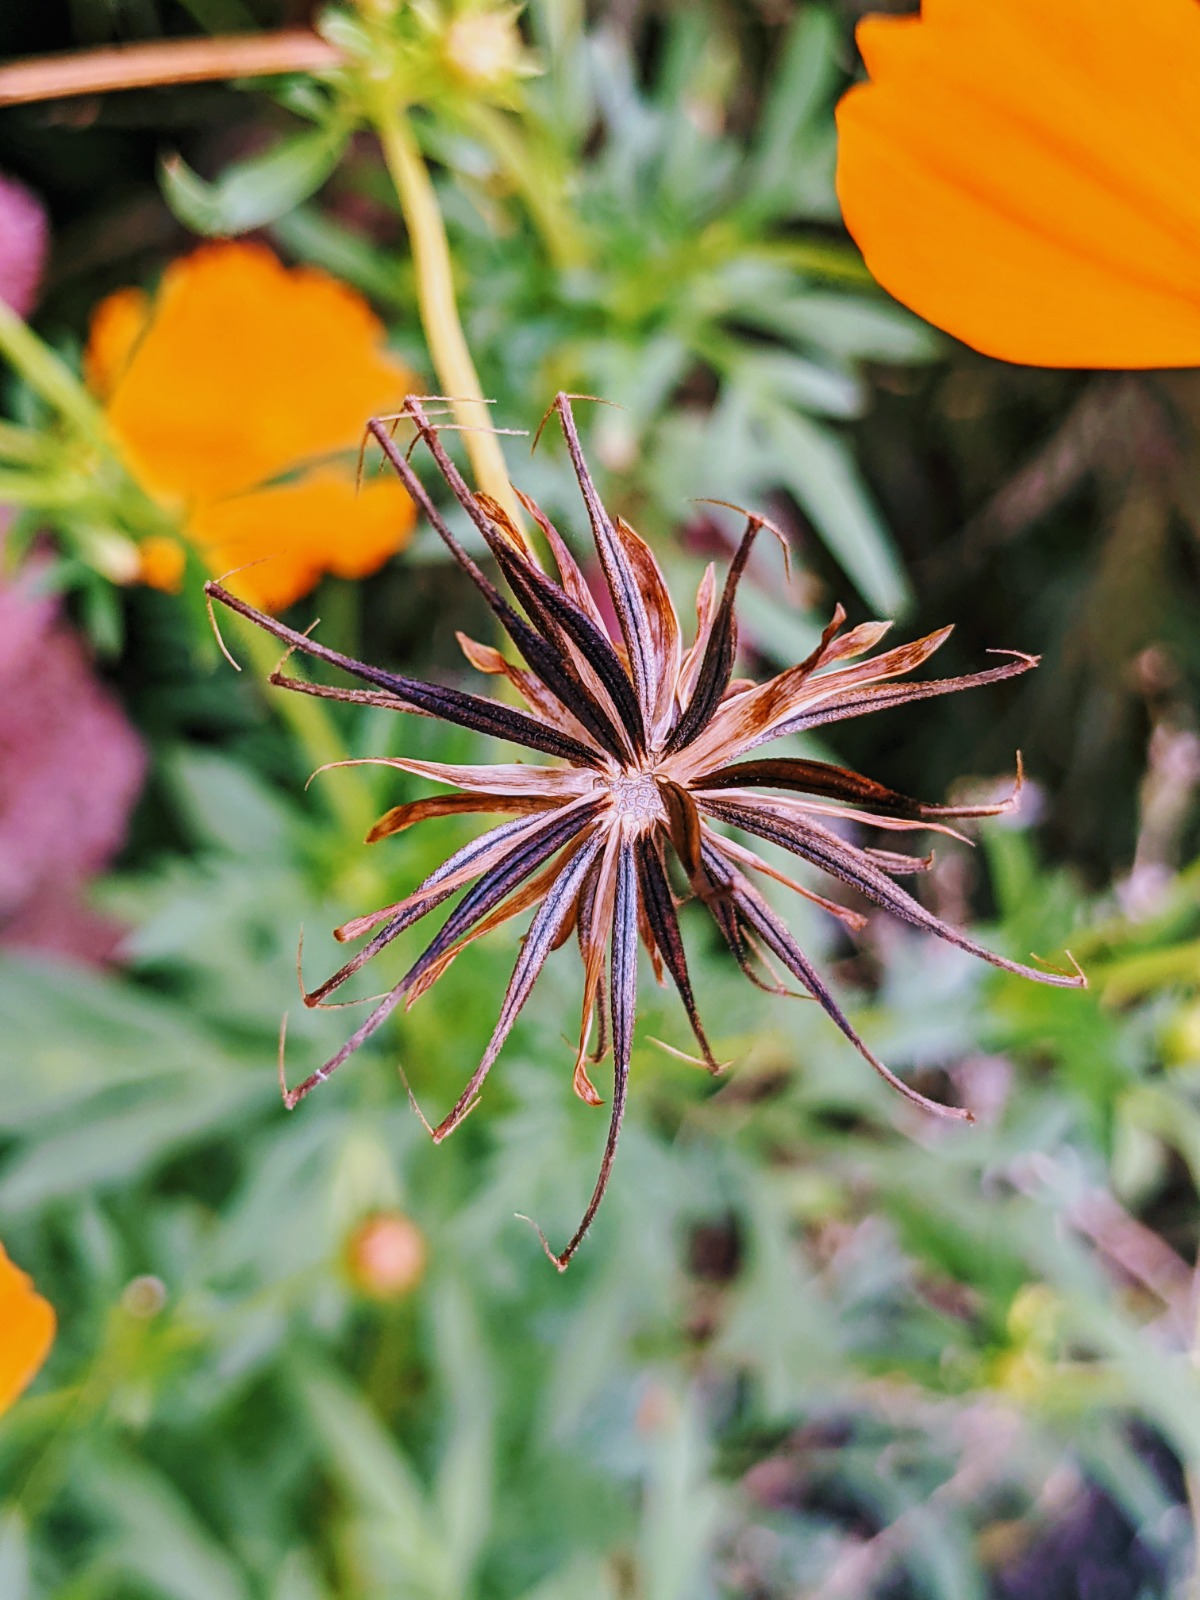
<point>238,396</point>
<point>1026,175</point>
<point>26,1330</point>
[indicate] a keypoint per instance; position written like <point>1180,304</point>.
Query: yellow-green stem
<point>345,793</point>
<point>44,372</point>
<point>448,350</point>
<point>19,444</point>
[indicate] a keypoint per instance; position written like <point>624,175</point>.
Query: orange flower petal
<point>117,325</point>
<point>297,532</point>
<point>1026,175</point>
<point>247,369</point>
<point>27,1325</point>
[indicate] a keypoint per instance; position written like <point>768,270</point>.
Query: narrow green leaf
<point>399,1528</point>
<point>229,808</point>
<point>254,192</point>
<point>114,1149</point>
<point>14,1557</point>
<point>464,1485</point>
<point>159,1539</point>
<point>851,326</point>
<point>800,89</point>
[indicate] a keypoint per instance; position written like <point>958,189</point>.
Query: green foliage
<point>251,1424</point>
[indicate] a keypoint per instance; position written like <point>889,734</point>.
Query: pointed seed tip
<point>557,1261</point>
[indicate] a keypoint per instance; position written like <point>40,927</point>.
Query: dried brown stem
<point>140,66</point>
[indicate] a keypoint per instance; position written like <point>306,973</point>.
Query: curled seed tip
<point>215,589</point>
<point>218,584</point>
<point>347,761</point>
<point>289,1096</point>
<point>412,1100</point>
<point>467,427</point>
<point>563,398</point>
<point>209,590</point>
<point>581,1084</point>
<point>1074,975</point>
<point>714,1068</point>
<point>276,674</point>
<point>758,520</point>
<point>560,1262</point>
<point>601,400</point>
<point>1020,781</point>
<point>446,1128</point>
<point>949,1113</point>
<point>546,415</point>
<point>344,1005</point>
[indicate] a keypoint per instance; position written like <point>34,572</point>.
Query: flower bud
<point>162,563</point>
<point>483,49</point>
<point>385,1256</point>
<point>144,1297</point>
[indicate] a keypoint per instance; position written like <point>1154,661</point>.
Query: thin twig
<point>165,61</point>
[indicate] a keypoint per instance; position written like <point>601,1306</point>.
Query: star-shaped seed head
<point>652,745</point>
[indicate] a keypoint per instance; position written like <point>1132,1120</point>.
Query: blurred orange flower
<point>26,1330</point>
<point>1026,175</point>
<point>238,396</point>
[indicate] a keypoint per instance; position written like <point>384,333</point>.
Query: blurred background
<point>816,1345</point>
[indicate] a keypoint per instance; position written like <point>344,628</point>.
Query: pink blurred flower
<point>71,767</point>
<point>24,239</point>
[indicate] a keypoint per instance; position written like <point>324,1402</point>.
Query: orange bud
<point>162,563</point>
<point>385,1256</point>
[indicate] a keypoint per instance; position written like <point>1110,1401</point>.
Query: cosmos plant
<point>648,740</point>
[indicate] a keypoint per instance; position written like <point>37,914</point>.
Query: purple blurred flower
<point>24,238</point>
<point>71,767</point>
<point>70,764</point>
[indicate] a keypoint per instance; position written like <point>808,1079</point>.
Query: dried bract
<point>648,740</point>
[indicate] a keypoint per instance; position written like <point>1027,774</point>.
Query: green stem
<point>345,794</point>
<point>435,296</point>
<point>44,372</point>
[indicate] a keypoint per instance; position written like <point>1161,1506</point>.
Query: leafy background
<point>815,1345</point>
